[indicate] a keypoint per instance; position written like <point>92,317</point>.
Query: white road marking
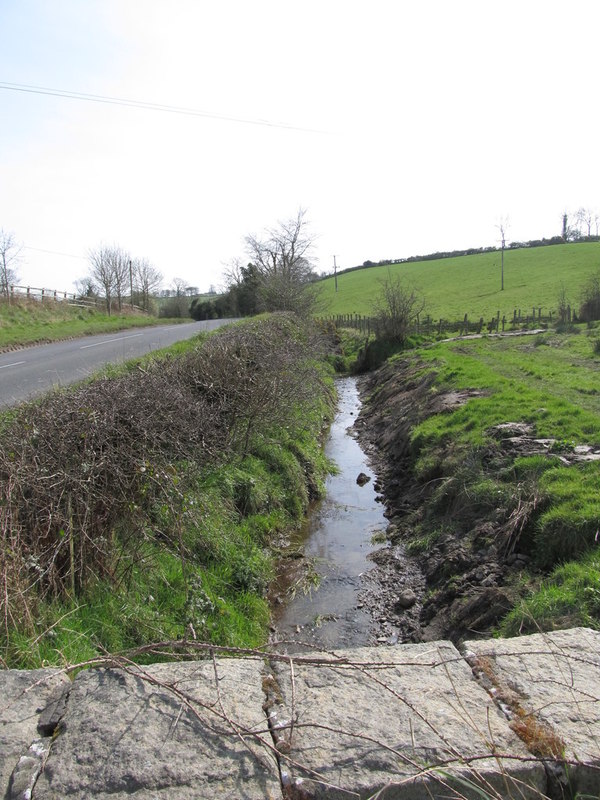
<point>110,341</point>
<point>15,364</point>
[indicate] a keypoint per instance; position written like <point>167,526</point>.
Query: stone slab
<point>160,732</point>
<point>557,677</point>
<point>408,721</point>
<point>23,695</point>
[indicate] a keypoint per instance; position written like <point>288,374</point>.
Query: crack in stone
<point>30,765</point>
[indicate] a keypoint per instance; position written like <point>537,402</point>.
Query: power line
<point>121,101</point>
<point>53,252</point>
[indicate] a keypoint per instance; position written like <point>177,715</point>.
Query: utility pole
<point>335,272</point>
<point>502,227</point>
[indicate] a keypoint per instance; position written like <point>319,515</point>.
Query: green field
<point>541,504</point>
<point>453,287</point>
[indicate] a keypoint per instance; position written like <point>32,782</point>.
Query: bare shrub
<point>259,373</point>
<point>83,468</point>
<point>396,310</point>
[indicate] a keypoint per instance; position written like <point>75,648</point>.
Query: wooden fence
<point>464,326</point>
<point>32,293</point>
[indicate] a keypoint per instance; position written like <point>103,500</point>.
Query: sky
<point>402,127</point>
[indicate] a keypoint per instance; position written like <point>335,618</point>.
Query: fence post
<point>503,322</point>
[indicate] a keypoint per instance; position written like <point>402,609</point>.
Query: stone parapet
<point>515,718</point>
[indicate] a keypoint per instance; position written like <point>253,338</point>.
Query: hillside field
<point>453,287</point>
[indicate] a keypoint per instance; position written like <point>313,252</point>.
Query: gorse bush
<point>93,478</point>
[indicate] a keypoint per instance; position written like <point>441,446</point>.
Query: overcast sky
<point>403,127</point>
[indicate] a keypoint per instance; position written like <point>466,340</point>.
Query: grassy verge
<point>25,323</point>
<point>177,477</point>
<point>523,489</point>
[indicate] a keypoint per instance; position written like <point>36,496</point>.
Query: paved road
<point>31,371</point>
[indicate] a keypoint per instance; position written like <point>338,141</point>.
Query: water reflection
<point>336,541</point>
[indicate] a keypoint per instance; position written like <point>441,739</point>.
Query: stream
<point>315,596</point>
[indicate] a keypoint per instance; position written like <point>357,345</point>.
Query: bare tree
<point>109,270</point>
<point>283,260</point>
<point>585,218</point>
<point>9,256</point>
<point>101,274</point>
<point>179,287</point>
<point>121,267</point>
<point>146,280</point>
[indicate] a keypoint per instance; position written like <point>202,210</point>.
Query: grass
<point>215,592</point>
<point>198,561</point>
<point>30,322</point>
<point>553,388</point>
<point>569,597</point>
<point>453,287</point>
<point>552,509</point>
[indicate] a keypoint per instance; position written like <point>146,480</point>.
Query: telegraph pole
<point>335,272</point>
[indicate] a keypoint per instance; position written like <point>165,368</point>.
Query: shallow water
<point>335,541</point>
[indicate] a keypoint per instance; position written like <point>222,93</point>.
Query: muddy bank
<point>456,584</point>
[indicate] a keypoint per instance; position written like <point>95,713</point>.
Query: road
<point>27,373</point>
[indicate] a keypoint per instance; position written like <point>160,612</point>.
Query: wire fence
<point>465,326</point>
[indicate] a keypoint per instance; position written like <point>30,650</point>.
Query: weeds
<point>156,482</point>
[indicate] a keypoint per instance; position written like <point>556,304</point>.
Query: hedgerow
<point>95,480</point>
